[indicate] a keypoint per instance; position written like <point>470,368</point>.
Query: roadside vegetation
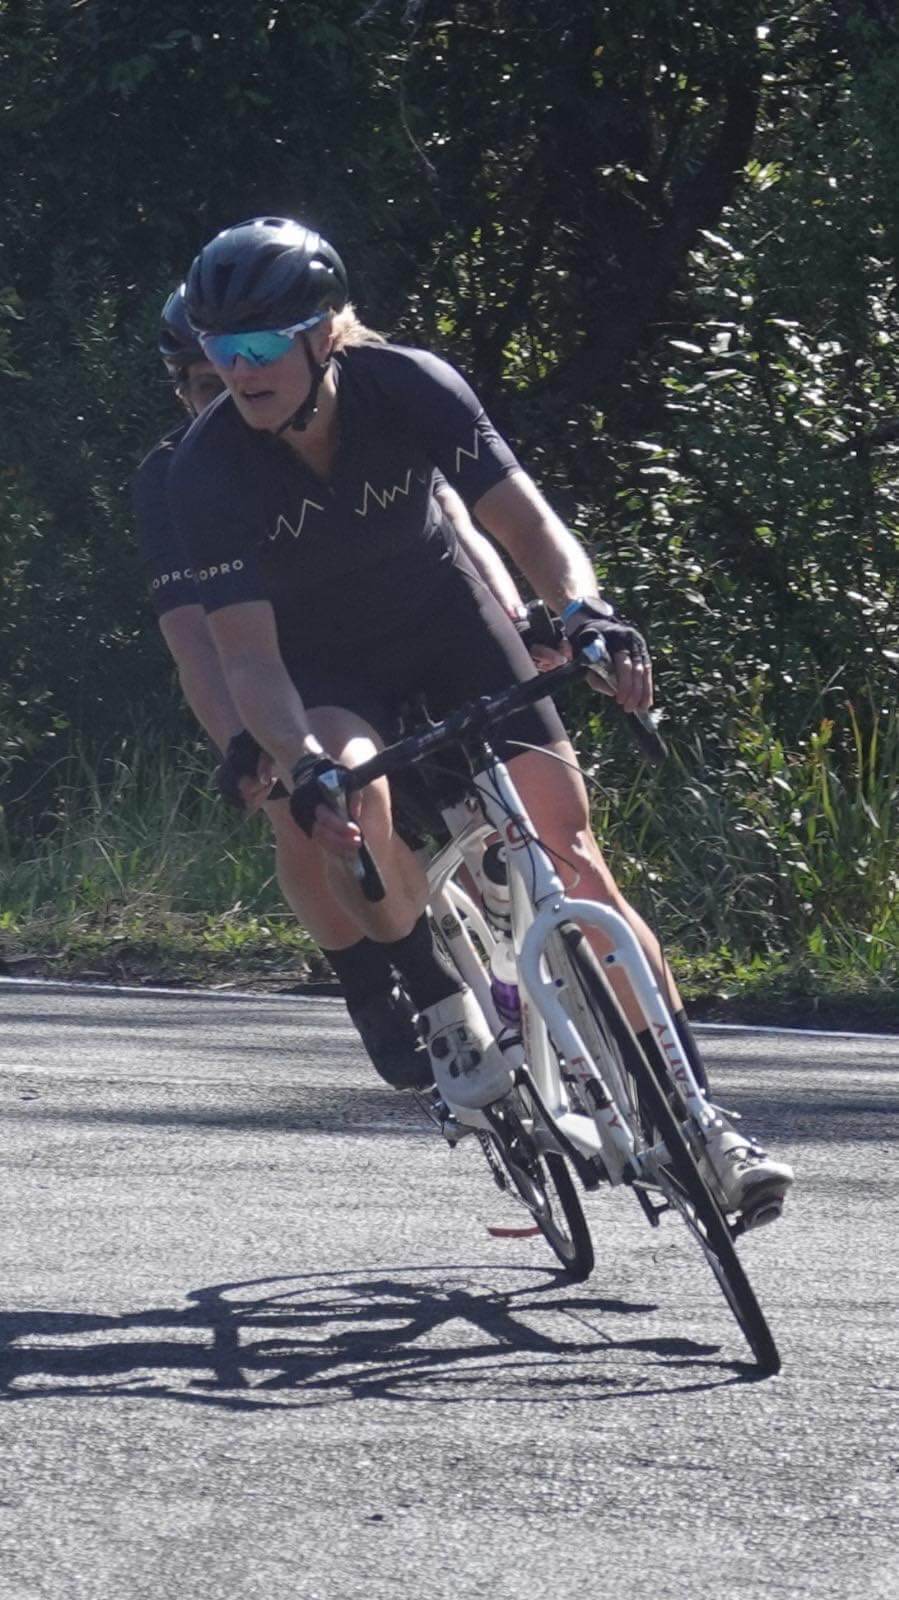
<point>141,874</point>
<point>663,243</point>
<point>772,882</point>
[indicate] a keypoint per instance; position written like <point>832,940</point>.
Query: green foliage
<point>782,869</point>
<point>788,856</point>
<point>136,827</point>
<point>662,239</point>
<point>141,873</point>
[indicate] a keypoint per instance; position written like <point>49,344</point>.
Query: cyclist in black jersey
<point>380,1010</point>
<point>334,586</point>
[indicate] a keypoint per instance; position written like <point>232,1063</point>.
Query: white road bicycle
<point>588,1098</point>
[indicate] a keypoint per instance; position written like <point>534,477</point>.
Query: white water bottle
<point>497,905</point>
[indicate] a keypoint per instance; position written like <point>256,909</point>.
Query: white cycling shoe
<point>745,1177</point>
<point>469,1066</point>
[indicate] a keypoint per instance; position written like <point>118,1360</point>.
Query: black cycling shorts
<point>470,647</point>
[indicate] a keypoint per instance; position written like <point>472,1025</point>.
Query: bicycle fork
<point>617,1148</point>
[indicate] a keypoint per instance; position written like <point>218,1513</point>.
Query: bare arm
<point>515,512</point>
<point>486,560</point>
<point>247,642</point>
<point>200,674</point>
<point>268,704</point>
<point>550,557</point>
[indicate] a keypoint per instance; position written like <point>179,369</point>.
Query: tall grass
<point>784,860</point>
<point>138,847</point>
<point>782,865</point>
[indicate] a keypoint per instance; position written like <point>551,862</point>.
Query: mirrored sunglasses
<point>261,348</point>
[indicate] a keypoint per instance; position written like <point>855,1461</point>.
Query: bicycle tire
<point>538,1178</point>
<point>573,1250</point>
<point>679,1179</point>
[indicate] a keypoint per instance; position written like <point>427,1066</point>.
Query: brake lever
<point>363,865</point>
<point>595,652</point>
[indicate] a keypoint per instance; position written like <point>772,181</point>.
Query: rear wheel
<point>541,1181</point>
<point>544,1184</point>
<point>670,1164</point>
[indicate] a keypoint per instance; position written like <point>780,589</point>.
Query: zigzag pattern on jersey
<point>283,525</point>
<point>472,455</point>
<point>382,497</point>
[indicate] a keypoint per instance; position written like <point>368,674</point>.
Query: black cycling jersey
<point>373,596</point>
<point>167,568</point>
<point>357,559</point>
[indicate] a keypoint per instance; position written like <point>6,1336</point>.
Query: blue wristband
<point>574,606</point>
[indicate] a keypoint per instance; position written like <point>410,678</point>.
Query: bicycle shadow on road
<point>320,1339</point>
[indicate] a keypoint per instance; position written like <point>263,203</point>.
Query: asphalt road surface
<point>256,1340</point>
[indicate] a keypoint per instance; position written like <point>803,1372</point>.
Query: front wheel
<point>686,1191</point>
<point>653,1119</point>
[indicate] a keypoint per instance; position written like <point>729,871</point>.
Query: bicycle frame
<point>561,1107</point>
<point>539,904</point>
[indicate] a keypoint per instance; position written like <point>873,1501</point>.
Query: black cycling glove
<point>309,792</point>
<point>618,635</point>
<point>241,760</point>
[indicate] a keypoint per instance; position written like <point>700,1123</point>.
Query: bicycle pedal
<point>451,1128</point>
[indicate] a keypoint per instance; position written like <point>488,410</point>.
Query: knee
<point>584,870</point>
<point>564,818</point>
<point>376,812</point>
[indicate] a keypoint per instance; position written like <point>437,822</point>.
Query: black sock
<point>363,970</point>
<point>426,972</point>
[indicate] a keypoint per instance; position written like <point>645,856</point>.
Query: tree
<point>636,225</point>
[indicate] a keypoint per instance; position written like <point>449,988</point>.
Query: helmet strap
<point>302,417</point>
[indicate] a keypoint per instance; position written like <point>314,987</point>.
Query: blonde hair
<point>346,330</point>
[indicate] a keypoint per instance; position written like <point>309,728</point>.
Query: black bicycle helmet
<point>265,273</point>
<point>178,343</point>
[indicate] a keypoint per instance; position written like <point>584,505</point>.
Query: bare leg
<point>322,891</point>
<point>364,965</point>
<point>556,800</point>
<point>328,899</point>
<point>302,881</point>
